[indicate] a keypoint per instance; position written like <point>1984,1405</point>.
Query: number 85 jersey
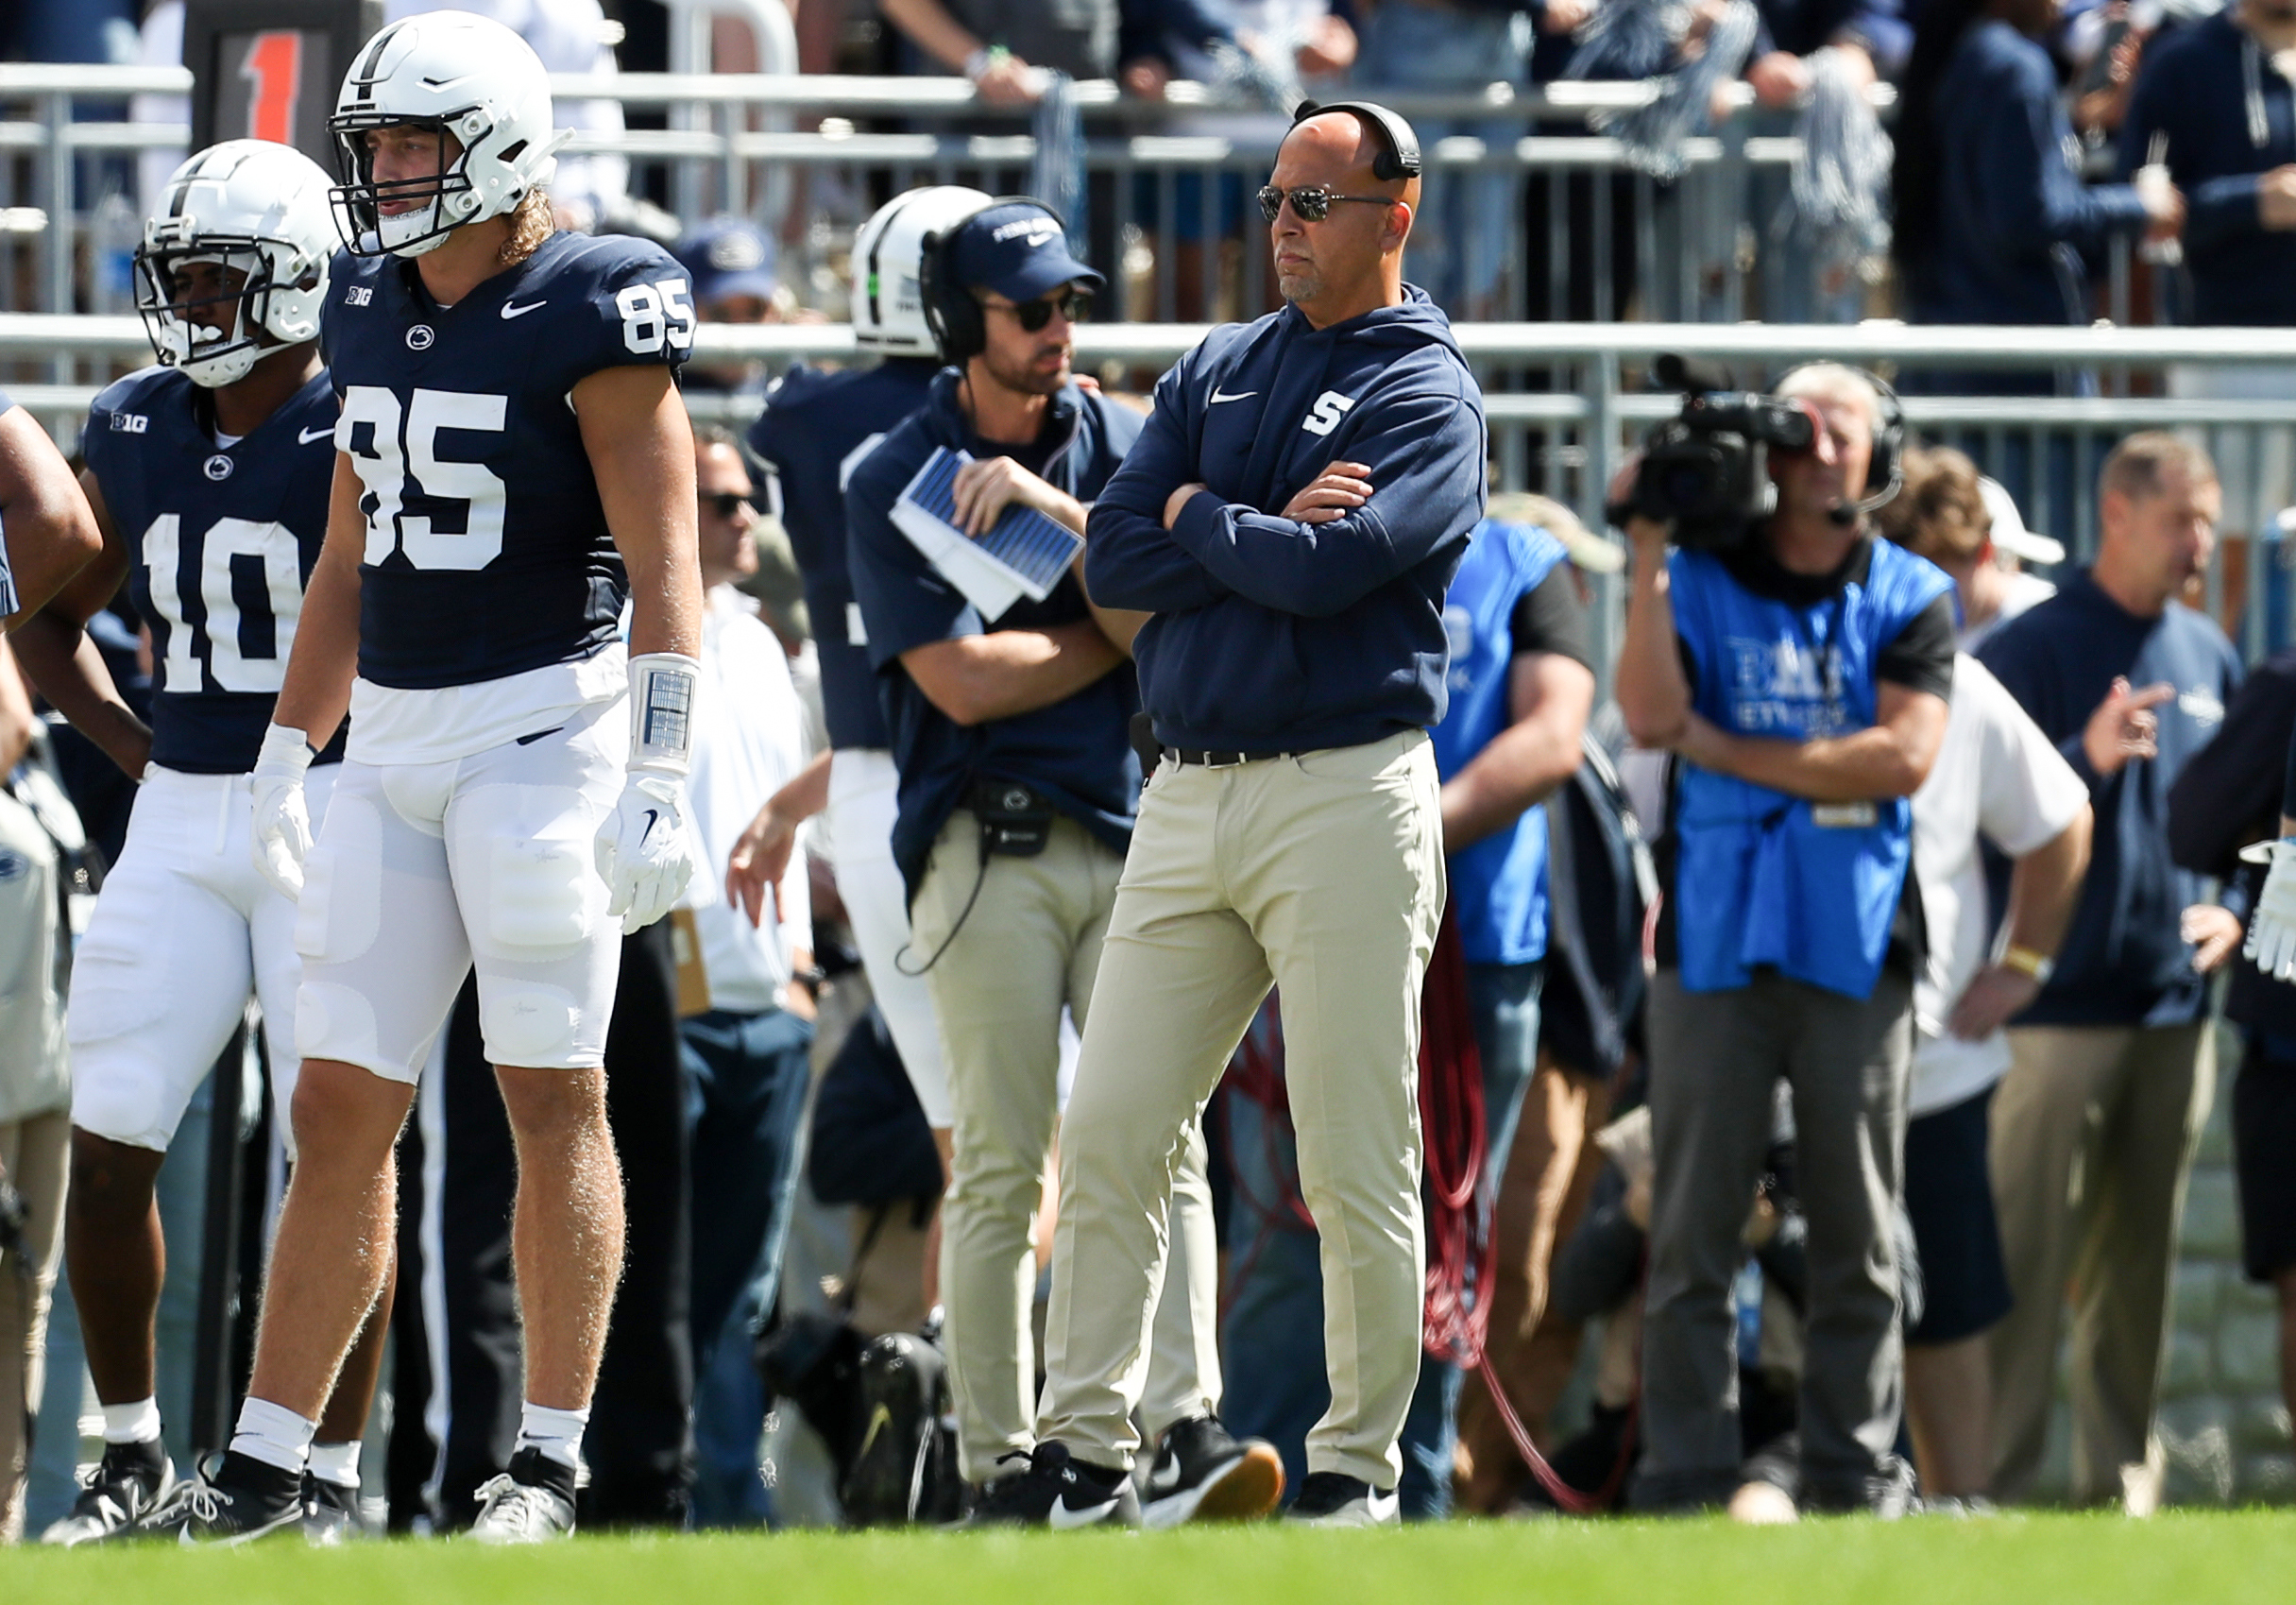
<point>487,551</point>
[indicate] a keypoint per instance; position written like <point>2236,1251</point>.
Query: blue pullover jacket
<point>1271,635</point>
<point>2226,116</point>
<point>2014,219</point>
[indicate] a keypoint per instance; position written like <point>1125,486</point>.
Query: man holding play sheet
<point>1019,784</point>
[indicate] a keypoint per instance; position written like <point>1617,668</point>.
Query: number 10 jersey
<point>487,551</point>
<point>221,540</point>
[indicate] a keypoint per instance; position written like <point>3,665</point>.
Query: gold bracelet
<point>2040,966</point>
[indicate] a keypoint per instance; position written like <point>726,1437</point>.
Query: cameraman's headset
<point>1887,464</point>
<point>959,325</point>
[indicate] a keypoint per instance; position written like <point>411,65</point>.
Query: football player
<point>513,463</point>
<point>208,475</point>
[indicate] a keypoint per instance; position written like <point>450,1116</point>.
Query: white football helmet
<point>245,206</point>
<point>887,306</point>
<point>460,75</point>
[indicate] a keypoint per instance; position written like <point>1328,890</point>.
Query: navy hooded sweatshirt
<point>2226,116</point>
<point>2014,219</point>
<point>1077,753</point>
<point>1271,635</point>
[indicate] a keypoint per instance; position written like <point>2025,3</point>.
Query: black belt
<point>1219,760</point>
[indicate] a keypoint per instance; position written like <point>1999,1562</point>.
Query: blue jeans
<point>1462,241</point>
<point>746,1081</point>
<point>1271,1340</point>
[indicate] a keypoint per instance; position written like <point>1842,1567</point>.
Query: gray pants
<point>1714,1060</point>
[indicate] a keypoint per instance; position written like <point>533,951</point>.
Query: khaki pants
<point>33,1156</point>
<point>2092,1134</point>
<point>1323,873</point>
<point>1031,945</point>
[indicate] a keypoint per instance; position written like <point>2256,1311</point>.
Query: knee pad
<point>123,1099</point>
<point>340,911</point>
<point>331,1021</point>
<point>529,1024</point>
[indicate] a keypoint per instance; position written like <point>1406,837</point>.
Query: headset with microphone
<point>1887,464</point>
<point>959,326</point>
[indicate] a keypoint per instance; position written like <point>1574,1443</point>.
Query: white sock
<point>138,1422</point>
<point>337,1463</point>
<point>556,1433</point>
<point>274,1435</point>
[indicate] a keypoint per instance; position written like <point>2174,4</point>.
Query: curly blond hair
<point>530,225</point>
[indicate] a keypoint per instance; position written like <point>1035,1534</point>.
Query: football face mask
<point>204,303</point>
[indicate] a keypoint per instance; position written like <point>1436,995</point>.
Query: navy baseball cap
<point>1017,249</point>
<point>728,256</point>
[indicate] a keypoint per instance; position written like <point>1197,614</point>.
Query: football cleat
<point>1057,1492</point>
<point>1329,1499</point>
<point>1201,1474</point>
<point>235,1499</point>
<point>124,1488</point>
<point>530,1503</point>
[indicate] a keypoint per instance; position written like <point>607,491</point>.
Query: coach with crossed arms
<point>1291,517</point>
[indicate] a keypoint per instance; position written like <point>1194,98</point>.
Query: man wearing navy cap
<point>1019,785</point>
<point>730,261</point>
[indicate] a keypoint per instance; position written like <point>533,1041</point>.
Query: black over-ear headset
<point>1887,466</point>
<point>1401,157</point>
<point>959,328</point>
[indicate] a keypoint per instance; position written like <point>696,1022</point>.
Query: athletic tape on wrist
<point>662,688</point>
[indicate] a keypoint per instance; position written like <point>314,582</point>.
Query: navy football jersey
<point>815,428</point>
<point>220,541</point>
<point>487,552</point>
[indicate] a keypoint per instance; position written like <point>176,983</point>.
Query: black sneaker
<point>1203,1474</point>
<point>235,1499</point>
<point>331,1513</point>
<point>1056,1492</point>
<point>1329,1499</point>
<point>126,1486</point>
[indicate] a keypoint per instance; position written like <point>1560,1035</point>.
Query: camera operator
<point>1798,669</point>
<point>1018,788</point>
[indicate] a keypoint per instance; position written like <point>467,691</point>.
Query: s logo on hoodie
<point>1325,418</point>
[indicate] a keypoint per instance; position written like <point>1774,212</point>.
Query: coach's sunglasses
<point>1074,305</point>
<point>726,504</point>
<point>1313,202</point>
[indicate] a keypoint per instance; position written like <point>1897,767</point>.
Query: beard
<point>1300,284</point>
<point>1024,377</point>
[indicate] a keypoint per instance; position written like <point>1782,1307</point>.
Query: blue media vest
<point>1761,876</point>
<point>1498,884</point>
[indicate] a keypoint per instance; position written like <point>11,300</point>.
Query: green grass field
<point>2039,1560</point>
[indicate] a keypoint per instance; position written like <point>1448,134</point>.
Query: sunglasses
<point>726,504</point>
<point>1074,305</point>
<point>1312,202</point>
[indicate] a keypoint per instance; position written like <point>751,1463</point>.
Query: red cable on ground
<point>1462,1250</point>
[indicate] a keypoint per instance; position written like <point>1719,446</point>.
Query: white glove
<point>645,847</point>
<point>2271,934</point>
<point>282,819</point>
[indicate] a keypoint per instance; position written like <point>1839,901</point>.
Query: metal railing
<point>1167,185</point>
<point>1567,402</point>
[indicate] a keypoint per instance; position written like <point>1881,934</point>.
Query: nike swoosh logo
<point>879,1419</point>
<point>1218,397</point>
<point>1165,1477</point>
<point>308,436</point>
<point>652,816</point>
<point>1064,1518</point>
<point>510,312</point>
